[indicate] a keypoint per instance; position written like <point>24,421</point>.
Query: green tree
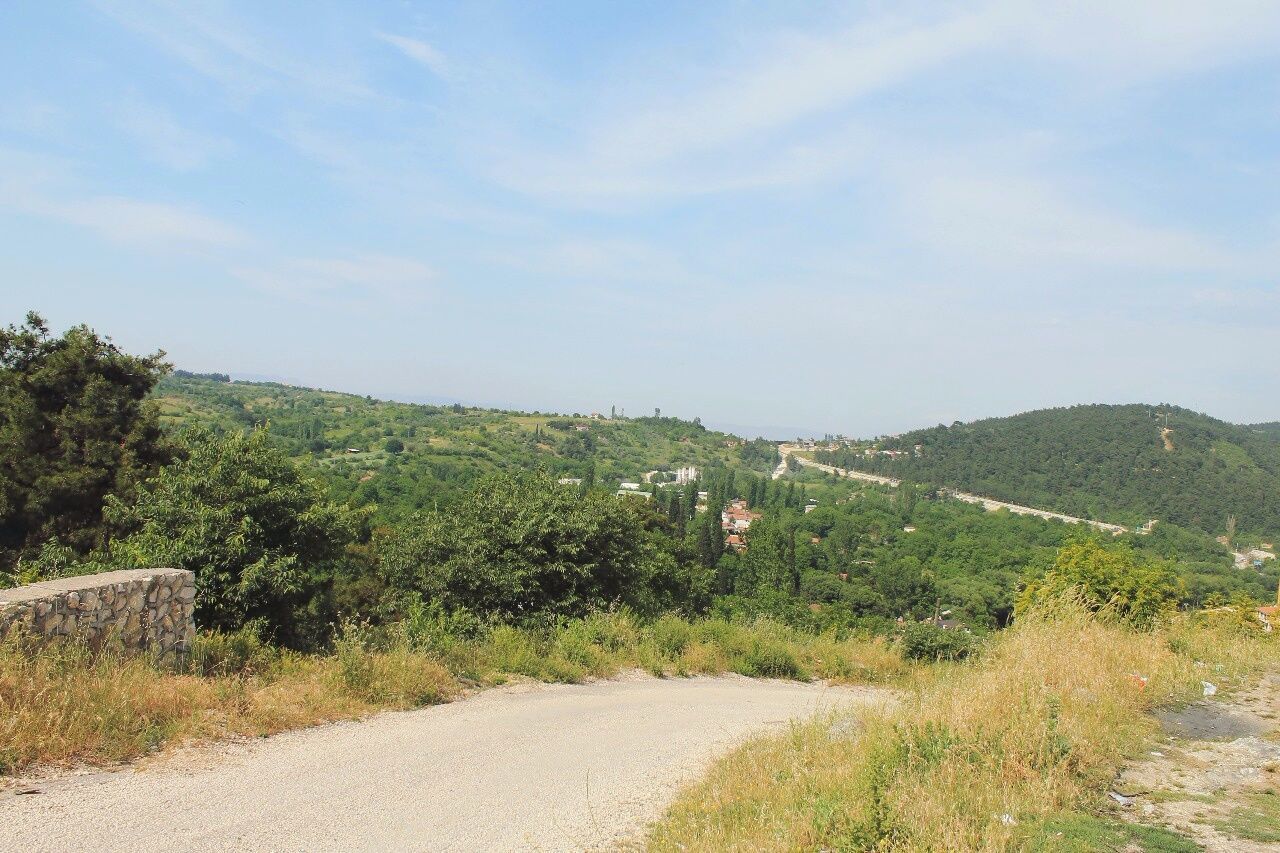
<point>75,426</point>
<point>254,528</point>
<point>393,445</point>
<point>521,545</point>
<point>1112,577</point>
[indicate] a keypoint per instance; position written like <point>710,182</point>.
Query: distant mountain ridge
<point>1115,462</point>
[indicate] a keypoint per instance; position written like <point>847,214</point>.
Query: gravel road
<point>560,767</point>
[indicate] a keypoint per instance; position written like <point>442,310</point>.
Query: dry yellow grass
<point>979,751</point>
<point>65,704</point>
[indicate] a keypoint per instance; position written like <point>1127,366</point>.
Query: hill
<point>1114,462</point>
<point>405,456</point>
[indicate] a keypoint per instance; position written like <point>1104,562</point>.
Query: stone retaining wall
<point>148,609</point>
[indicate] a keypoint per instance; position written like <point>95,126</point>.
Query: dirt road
<point>563,767</point>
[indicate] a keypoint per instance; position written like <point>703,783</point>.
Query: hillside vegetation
<point>1115,463</point>
<point>412,457</point>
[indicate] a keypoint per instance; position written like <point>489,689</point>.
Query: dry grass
<point>64,703</point>
<point>978,753</point>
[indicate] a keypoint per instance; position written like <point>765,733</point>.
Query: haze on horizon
<point>857,218</point>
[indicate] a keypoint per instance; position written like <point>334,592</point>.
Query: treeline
<point>883,554</point>
<point>1115,463</point>
<point>89,481</point>
<point>410,458</point>
<point>288,544</point>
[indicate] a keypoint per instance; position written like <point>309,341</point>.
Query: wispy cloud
<point>420,52</point>
<point>131,220</point>
<point>739,123</point>
<point>355,278</point>
<point>48,188</point>
<point>216,44</point>
<point>159,134</point>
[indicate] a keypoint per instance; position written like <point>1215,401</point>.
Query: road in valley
<point>989,504</point>
<point>559,767</point>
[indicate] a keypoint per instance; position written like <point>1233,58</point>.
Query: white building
<point>633,493</point>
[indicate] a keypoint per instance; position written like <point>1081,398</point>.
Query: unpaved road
<point>563,767</point>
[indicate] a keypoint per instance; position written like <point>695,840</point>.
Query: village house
<point>737,517</point>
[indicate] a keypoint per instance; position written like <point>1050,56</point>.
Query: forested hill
<point>1116,463</point>
<point>412,457</point>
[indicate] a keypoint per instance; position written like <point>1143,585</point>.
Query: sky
<point>782,218</point>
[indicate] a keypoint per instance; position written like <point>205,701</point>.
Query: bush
<point>242,652</point>
<point>923,641</point>
<point>769,658</point>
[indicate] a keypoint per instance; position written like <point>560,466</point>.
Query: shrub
<point>242,652</point>
<point>769,658</point>
<point>926,642</point>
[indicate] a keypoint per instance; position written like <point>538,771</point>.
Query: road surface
<point>562,767</point>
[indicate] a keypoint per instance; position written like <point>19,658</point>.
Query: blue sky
<point>853,218</point>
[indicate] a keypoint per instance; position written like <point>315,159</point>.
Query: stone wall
<point>147,609</point>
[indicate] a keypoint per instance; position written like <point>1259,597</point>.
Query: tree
<point>253,527</point>
<point>393,446</point>
<point>1112,577</point>
<point>520,545</point>
<point>75,426</point>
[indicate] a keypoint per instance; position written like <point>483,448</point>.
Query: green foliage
<point>1114,578</point>
<point>75,426</point>
<point>522,545</point>
<point>769,658</point>
<point>254,528</point>
<point>927,642</point>
<point>445,448</point>
<point>1100,461</point>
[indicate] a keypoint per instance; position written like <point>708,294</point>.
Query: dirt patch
<point>1215,776</point>
<point>1208,721</point>
<point>1166,435</point>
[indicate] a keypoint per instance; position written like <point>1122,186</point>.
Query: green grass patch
<point>1082,833</point>
<point>1258,819</point>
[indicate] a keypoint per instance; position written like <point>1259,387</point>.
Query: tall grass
<point>979,752</point>
<point>66,703</point>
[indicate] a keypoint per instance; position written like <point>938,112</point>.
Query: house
<point>570,481</point>
<point>353,450</point>
<point>1269,615</point>
<point>736,542</point>
<point>910,528</point>
<point>737,517</point>
<point>582,427</point>
<point>630,487</point>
